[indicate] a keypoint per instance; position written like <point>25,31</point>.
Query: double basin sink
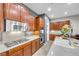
<point>16,42</point>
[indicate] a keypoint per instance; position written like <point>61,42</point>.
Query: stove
<point>13,43</point>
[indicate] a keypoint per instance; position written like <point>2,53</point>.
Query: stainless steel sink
<point>13,43</point>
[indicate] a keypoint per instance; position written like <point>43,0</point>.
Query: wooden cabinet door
<point>18,53</point>
<point>38,44</point>
<point>28,50</point>
<point>24,14</point>
<point>37,23</point>
<point>42,23</point>
<point>6,10</point>
<point>12,11</point>
<point>3,54</point>
<point>34,46</point>
<point>31,24</point>
<point>1,18</point>
<point>51,26</point>
<point>52,37</point>
<point>1,11</point>
<point>18,12</point>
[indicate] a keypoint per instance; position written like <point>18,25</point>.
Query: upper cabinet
<point>1,18</point>
<point>58,25</point>
<point>1,11</point>
<point>39,23</point>
<point>24,13</point>
<point>31,23</point>
<point>16,12</point>
<point>42,23</point>
<point>12,11</point>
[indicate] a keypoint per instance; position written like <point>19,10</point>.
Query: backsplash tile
<point>8,36</point>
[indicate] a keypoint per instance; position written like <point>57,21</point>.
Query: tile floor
<point>43,51</point>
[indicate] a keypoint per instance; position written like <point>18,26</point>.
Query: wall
<point>74,22</point>
<point>11,36</point>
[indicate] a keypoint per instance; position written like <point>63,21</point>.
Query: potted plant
<point>65,29</point>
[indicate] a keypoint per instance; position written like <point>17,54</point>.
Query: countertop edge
<point>18,45</point>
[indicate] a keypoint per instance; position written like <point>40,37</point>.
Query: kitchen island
<point>61,47</point>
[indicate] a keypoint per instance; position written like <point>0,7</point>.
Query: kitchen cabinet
<point>42,23</point>
<point>1,11</point>
<point>3,54</point>
<point>19,13</point>
<point>35,45</point>
<point>11,11</point>
<point>1,18</point>
<point>31,24</point>
<point>39,23</point>
<point>52,37</point>
<point>58,25</point>
<point>38,44</point>
<point>18,51</point>
<point>6,10</point>
<point>28,50</point>
<point>15,12</point>
<point>23,50</point>
<point>24,14</point>
<point>18,9</point>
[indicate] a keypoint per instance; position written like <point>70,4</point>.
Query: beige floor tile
<point>43,51</point>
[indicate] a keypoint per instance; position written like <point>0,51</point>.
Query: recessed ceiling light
<point>66,13</point>
<point>49,9</point>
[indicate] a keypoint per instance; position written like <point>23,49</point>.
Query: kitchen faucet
<point>69,35</point>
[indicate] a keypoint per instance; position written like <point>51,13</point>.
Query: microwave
<point>15,26</point>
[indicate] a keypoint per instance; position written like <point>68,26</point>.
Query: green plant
<point>65,29</point>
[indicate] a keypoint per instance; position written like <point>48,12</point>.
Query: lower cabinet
<point>52,37</point>
<point>27,49</point>
<point>38,44</point>
<point>3,54</point>
<point>17,53</point>
<point>35,45</point>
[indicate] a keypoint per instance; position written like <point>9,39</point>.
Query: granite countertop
<point>3,48</point>
<point>62,48</point>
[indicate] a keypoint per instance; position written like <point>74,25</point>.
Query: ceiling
<point>55,10</point>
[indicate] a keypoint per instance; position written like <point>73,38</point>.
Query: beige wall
<point>8,36</point>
